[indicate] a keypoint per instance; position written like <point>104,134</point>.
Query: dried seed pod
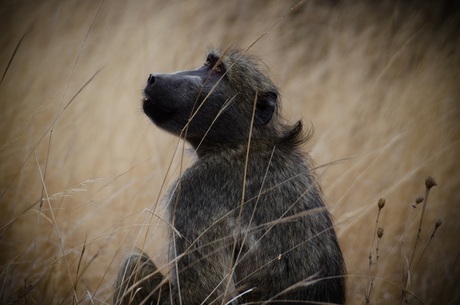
<point>430,182</point>
<point>380,232</point>
<point>381,203</point>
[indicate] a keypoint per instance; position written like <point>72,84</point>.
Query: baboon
<point>249,222</point>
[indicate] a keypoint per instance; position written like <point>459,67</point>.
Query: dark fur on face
<point>249,226</point>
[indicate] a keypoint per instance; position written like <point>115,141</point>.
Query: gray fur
<point>275,243</point>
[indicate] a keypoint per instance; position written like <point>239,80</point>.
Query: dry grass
<point>81,167</point>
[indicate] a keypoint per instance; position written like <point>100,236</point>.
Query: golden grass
<point>81,167</point>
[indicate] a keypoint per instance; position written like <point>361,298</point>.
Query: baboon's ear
<point>266,105</point>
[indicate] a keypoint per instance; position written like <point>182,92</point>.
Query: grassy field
<point>82,168</point>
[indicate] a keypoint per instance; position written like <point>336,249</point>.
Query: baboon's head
<point>214,103</point>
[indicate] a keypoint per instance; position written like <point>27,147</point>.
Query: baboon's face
<point>214,101</point>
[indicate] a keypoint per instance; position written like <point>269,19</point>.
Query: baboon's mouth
<point>154,109</point>
<point>146,99</point>
<point>149,102</point>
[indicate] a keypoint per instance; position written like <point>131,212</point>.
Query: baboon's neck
<point>233,147</point>
<point>288,137</point>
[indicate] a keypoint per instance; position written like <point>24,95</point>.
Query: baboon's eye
<point>215,64</point>
<point>218,68</point>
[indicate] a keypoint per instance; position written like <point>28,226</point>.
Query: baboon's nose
<point>151,79</point>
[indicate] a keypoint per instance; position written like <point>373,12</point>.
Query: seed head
<point>418,199</point>
<point>438,223</point>
<point>381,203</point>
<point>430,182</point>
<point>379,232</point>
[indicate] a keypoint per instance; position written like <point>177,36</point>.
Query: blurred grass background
<point>80,164</point>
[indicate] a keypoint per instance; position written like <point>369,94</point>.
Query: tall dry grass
<point>81,167</point>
